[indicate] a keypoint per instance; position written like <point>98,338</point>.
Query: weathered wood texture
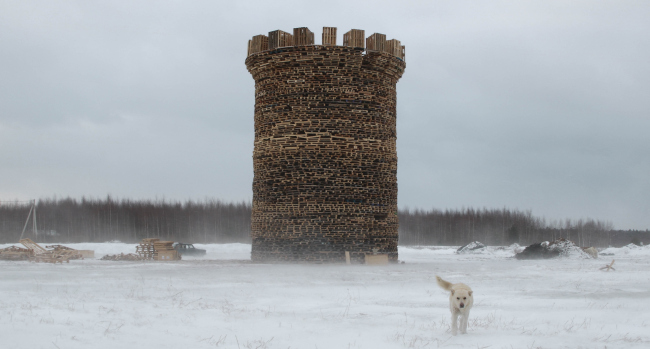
<point>325,162</point>
<point>302,36</point>
<point>258,43</point>
<point>329,35</point>
<point>376,42</point>
<point>354,38</point>
<point>278,38</point>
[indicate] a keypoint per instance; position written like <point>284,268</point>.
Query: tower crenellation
<point>303,36</point>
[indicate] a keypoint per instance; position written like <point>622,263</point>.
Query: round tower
<point>325,161</point>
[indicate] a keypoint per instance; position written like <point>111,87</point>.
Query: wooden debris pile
<point>59,255</point>
<point>325,158</point>
<point>36,253</point>
<point>122,257</point>
<point>165,251</point>
<point>64,250</point>
<point>14,253</point>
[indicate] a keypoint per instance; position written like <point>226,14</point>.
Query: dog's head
<point>461,298</point>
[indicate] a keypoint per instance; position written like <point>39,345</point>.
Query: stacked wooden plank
<point>75,254</point>
<point>354,38</point>
<point>302,36</point>
<point>279,38</point>
<point>14,253</point>
<point>259,43</point>
<point>325,160</point>
<point>165,251</point>
<point>329,35</point>
<point>154,249</point>
<point>28,243</point>
<point>395,48</point>
<point>376,42</point>
<point>54,256</point>
<point>146,249</point>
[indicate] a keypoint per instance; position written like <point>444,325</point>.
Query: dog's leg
<point>454,323</point>
<point>463,322</point>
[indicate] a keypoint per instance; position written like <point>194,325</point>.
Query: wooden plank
<point>377,259</point>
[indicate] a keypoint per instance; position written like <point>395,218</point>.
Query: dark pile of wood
<point>325,159</point>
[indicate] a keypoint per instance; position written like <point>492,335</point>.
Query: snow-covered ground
<point>224,301</point>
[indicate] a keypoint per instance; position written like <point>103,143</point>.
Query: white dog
<point>460,303</point>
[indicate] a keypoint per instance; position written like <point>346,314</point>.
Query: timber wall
<point>325,162</point>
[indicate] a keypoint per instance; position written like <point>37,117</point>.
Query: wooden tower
<point>325,161</point>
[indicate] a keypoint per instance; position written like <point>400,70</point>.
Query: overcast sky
<point>533,105</point>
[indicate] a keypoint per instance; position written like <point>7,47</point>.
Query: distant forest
<point>215,221</point>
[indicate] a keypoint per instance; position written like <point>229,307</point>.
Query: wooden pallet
<point>33,246</point>
<point>376,42</point>
<point>354,38</point>
<point>329,36</point>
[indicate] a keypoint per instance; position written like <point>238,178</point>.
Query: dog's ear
<point>452,292</point>
<point>470,293</point>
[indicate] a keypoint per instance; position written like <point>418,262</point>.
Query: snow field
<point>224,301</point>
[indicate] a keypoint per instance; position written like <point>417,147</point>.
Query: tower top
<point>303,36</point>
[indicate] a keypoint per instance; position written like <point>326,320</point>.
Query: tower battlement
<point>325,158</point>
<point>303,36</point>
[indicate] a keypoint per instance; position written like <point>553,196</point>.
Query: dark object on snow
<point>188,250</point>
<point>472,247</point>
<point>539,250</point>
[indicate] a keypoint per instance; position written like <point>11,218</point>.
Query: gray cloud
<point>534,105</point>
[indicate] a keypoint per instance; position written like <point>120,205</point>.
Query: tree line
<point>215,221</point>
<point>100,220</point>
<point>496,227</point>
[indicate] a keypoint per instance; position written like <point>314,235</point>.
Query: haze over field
<point>212,302</point>
<point>538,105</point>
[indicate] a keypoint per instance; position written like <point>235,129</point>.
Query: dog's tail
<point>446,285</point>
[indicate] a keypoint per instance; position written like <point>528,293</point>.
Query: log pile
<point>325,160</point>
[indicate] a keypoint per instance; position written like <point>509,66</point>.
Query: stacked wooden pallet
<point>325,159</point>
<point>154,249</point>
<point>165,251</point>
<point>146,249</point>
<point>14,253</point>
<point>28,243</point>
